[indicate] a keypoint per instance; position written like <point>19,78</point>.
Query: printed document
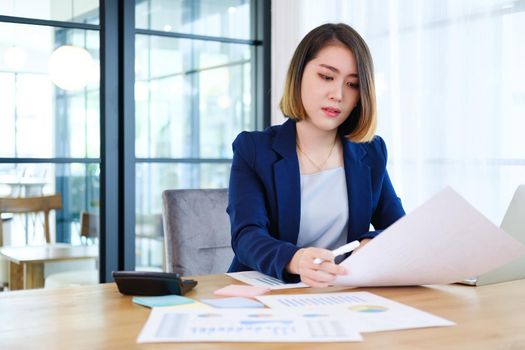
<point>245,325</point>
<point>443,241</point>
<point>255,278</point>
<point>364,312</point>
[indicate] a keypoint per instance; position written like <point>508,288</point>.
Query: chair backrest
<point>89,225</point>
<point>42,204</point>
<point>196,231</point>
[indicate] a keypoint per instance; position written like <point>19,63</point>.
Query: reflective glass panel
<point>83,11</point>
<point>38,117</point>
<point>192,97</point>
<point>227,18</point>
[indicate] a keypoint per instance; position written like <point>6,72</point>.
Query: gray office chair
<point>196,231</point>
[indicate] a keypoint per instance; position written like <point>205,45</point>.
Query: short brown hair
<point>361,124</point>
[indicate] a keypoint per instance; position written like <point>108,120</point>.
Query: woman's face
<point>330,87</point>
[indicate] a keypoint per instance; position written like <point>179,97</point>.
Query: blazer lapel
<point>287,182</point>
<point>359,187</point>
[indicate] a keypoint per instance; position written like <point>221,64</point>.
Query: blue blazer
<point>264,201</point>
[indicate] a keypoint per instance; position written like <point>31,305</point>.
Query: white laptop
<point>514,224</point>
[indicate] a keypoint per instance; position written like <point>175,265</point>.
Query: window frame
<point>117,120</point>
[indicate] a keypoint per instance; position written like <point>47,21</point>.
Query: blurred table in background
<point>26,264</point>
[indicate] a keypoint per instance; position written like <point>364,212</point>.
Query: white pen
<point>347,248</point>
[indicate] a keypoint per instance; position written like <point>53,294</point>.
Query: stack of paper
<point>292,318</point>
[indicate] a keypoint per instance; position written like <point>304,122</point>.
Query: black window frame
<point>117,120</point>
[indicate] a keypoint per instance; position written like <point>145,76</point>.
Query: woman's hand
<point>319,276</point>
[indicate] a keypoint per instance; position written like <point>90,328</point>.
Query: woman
<point>317,181</point>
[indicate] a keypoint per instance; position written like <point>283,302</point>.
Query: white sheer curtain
<point>450,80</point>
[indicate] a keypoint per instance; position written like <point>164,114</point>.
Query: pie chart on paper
<point>368,308</point>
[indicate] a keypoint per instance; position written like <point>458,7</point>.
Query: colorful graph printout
<point>365,311</point>
<point>243,325</point>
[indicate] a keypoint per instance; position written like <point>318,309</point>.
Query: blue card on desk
<point>233,303</point>
<point>165,300</point>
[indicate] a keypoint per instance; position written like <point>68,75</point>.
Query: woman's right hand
<point>315,275</point>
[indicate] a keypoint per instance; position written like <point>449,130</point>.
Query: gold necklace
<point>318,167</point>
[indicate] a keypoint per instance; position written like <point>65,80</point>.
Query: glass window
<point>226,18</point>
<point>50,118</point>
<point>40,119</point>
<point>84,11</point>
<point>192,98</point>
<point>78,185</point>
<point>199,93</point>
<point>196,88</point>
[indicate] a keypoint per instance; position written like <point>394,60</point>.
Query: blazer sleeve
<point>389,208</point>
<point>252,243</point>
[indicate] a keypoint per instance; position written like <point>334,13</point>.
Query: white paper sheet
<point>244,325</point>
<point>365,312</point>
<point>443,241</point>
<point>255,278</point>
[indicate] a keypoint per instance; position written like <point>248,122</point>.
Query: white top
<point>324,209</point>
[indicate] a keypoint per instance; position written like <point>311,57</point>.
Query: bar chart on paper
<point>245,325</point>
<point>321,300</point>
<point>316,300</point>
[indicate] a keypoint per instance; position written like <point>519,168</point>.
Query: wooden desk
<point>26,263</point>
<point>98,317</point>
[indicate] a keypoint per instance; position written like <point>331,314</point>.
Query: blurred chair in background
<point>4,264</point>
<point>89,227</point>
<point>26,205</point>
<point>197,231</point>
